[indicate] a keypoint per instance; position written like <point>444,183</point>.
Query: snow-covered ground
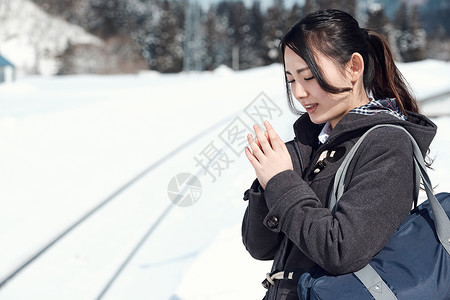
<point>68,144</point>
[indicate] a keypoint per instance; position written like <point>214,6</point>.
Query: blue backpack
<point>415,263</point>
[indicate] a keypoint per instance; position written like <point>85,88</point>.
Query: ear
<point>356,67</point>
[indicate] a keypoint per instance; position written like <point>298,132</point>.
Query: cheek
<point>314,89</point>
<point>341,80</point>
<point>331,103</point>
<point>322,95</point>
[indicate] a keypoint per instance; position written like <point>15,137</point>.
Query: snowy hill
<point>71,144</point>
<point>32,39</point>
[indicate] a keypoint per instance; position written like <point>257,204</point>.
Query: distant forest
<point>174,35</point>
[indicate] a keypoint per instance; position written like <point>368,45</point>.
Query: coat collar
<point>354,124</point>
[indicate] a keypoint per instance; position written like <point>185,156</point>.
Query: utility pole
<point>192,46</point>
<point>235,58</point>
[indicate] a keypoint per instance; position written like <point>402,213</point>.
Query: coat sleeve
<point>259,241</point>
<point>378,195</point>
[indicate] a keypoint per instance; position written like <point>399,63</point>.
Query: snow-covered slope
<point>69,143</point>
<point>32,39</point>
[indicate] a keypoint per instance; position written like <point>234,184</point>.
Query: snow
<point>417,74</point>
<point>32,39</point>
<point>67,144</point>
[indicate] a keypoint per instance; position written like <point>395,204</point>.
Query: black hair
<point>337,35</point>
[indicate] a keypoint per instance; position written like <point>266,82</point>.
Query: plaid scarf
<point>388,105</point>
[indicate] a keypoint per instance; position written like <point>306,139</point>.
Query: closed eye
<point>309,78</point>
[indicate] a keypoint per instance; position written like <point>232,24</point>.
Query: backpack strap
<point>374,283</point>
<point>441,219</point>
<point>367,275</point>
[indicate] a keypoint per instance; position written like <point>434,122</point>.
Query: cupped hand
<point>268,155</point>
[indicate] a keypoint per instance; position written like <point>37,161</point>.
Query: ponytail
<point>383,78</point>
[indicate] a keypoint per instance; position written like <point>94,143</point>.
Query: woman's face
<point>321,106</point>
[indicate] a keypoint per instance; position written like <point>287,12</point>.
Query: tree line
<point>175,35</point>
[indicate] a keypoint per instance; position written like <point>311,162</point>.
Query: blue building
<point>7,70</point>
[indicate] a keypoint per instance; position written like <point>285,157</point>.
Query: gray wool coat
<point>289,221</point>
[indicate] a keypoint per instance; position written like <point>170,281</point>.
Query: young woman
<point>345,78</point>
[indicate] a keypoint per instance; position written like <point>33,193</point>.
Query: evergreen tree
<point>225,32</point>
<point>410,36</point>
<point>417,42</point>
<point>401,18</point>
<point>348,6</point>
<point>294,15</point>
<point>212,38</point>
<point>103,18</point>
<point>255,35</point>
<point>377,20</point>
<point>310,6</point>
<point>275,27</point>
<point>165,47</point>
<point>329,4</point>
<point>239,37</point>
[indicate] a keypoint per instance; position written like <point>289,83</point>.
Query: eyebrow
<point>298,70</point>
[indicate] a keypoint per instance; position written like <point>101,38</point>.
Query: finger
<point>268,125</point>
<point>255,139</point>
<point>251,158</point>
<point>275,139</point>
<point>257,152</point>
<point>282,144</point>
<point>257,142</point>
<point>265,146</point>
<point>266,134</point>
<point>273,136</point>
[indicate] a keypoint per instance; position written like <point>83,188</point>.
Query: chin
<point>317,121</point>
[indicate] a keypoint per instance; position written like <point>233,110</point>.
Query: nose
<point>298,90</point>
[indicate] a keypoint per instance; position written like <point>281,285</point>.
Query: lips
<point>310,107</point>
